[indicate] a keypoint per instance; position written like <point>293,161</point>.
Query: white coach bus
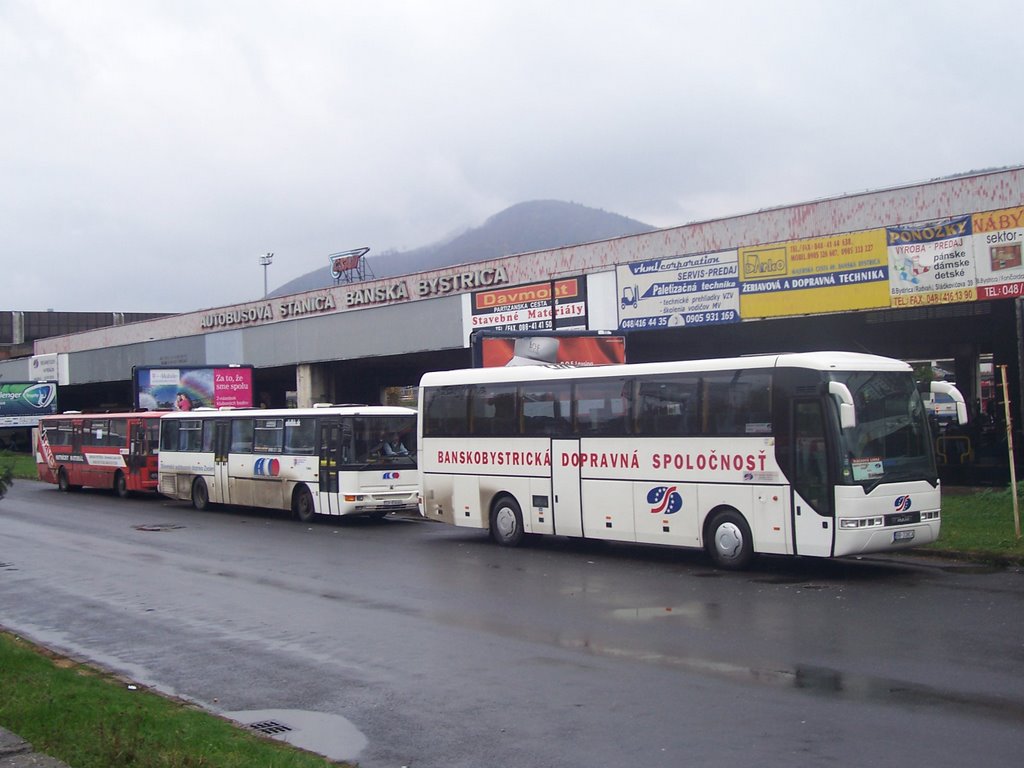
<point>325,460</point>
<point>822,454</point>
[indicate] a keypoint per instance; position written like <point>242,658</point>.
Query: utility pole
<point>266,260</point>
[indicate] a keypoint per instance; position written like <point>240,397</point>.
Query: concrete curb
<point>15,752</point>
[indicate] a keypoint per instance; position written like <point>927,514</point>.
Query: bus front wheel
<point>200,495</point>
<point>63,483</point>
<point>506,522</point>
<point>121,485</point>
<point>728,540</point>
<point>302,505</point>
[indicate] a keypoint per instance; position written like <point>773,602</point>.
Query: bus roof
<point>284,413</point>
<point>102,415</point>
<point>819,361</point>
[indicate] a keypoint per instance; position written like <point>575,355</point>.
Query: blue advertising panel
<point>679,291</point>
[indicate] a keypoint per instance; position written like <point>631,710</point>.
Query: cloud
<point>153,151</point>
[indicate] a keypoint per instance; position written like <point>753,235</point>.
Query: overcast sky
<point>151,150</point>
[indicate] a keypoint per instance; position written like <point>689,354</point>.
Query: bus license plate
<point>902,535</point>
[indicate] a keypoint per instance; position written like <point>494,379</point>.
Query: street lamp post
<point>265,260</point>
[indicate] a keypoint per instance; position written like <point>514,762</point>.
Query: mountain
<point>532,226</point>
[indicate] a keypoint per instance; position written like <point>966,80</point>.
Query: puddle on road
<point>806,679</point>
<point>329,735</point>
<point>974,569</point>
<point>823,681</point>
<point>693,611</point>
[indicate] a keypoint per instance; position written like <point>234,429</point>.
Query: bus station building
<point>922,272</point>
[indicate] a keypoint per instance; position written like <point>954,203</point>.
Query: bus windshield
<point>384,440</point>
<point>891,441</point>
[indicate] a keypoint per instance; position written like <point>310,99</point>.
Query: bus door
<point>812,509</point>
<point>76,465</point>
<point>221,493</point>
<point>137,447</point>
<point>330,460</point>
<point>567,501</point>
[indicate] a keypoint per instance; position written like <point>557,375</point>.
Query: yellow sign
<point>815,276</point>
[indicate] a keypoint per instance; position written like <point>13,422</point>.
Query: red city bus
<point>99,450</point>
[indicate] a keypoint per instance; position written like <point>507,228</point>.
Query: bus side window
<point>445,412</point>
<point>96,433</point>
<point>190,437</point>
<point>603,407</point>
<point>118,435</point>
<point>269,436</point>
<point>299,436</point>
<point>169,435</point>
<point>738,402</point>
<point>667,406</point>
<point>547,409</point>
<point>493,410</point>
<point>209,430</point>
<point>241,436</point>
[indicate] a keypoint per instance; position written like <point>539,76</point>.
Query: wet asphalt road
<point>441,649</point>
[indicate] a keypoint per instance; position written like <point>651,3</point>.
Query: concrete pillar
<point>967,374</point>
<point>312,384</point>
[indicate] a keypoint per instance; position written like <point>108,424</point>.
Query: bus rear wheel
<point>302,505</point>
<point>506,522</point>
<point>200,495</point>
<point>121,484</point>
<point>728,540</point>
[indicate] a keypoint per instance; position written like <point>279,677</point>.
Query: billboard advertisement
<point>679,291</point>
<point>528,307</point>
<point>23,402</point>
<point>931,263</point>
<point>574,349</point>
<point>997,246</point>
<point>814,276</point>
<point>183,389</point>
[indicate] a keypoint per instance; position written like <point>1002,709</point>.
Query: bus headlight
<point>352,497</point>
<point>861,522</point>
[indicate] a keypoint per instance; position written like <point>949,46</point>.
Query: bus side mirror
<point>945,388</point>
<point>847,414</point>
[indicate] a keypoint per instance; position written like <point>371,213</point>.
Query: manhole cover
<point>157,527</point>
<point>269,727</point>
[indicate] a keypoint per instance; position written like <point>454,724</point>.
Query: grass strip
<point>980,523</point>
<point>22,465</point>
<point>101,722</point>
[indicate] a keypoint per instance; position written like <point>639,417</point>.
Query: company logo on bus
<point>901,504</point>
<point>392,475</point>
<point>267,468</point>
<point>665,500</point>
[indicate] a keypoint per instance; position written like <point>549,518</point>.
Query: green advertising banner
<point>23,402</point>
